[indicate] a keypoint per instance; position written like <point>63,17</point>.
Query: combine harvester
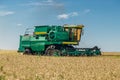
<point>55,41</point>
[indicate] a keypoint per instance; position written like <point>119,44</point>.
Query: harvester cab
<point>74,31</point>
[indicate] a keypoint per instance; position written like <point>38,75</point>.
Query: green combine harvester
<point>55,41</point>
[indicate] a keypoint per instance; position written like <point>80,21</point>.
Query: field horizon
<point>103,53</point>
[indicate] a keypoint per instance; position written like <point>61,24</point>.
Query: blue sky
<point>101,19</point>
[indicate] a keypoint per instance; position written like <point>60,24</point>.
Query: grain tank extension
<point>55,41</point>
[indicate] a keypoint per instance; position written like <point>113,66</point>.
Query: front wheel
<point>53,52</point>
<point>27,51</point>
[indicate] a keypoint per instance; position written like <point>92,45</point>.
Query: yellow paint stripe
<point>69,43</point>
<point>37,33</point>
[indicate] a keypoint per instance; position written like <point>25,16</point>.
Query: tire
<point>27,51</point>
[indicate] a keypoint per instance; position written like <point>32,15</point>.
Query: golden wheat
<point>28,67</point>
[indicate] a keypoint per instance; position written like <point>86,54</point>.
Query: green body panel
<point>58,36</point>
<point>31,42</point>
<point>37,46</point>
<point>34,44</point>
<point>24,42</point>
<point>20,49</point>
<point>62,36</point>
<point>41,29</point>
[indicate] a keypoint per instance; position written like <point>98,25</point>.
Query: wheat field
<point>14,66</point>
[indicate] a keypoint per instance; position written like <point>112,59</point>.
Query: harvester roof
<point>73,26</point>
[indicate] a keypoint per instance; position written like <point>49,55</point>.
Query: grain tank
<point>55,40</point>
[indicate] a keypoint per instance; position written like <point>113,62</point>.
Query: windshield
<point>29,31</point>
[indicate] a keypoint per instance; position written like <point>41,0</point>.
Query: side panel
<point>24,43</point>
<point>20,49</point>
<point>62,36</point>
<point>41,29</point>
<point>38,44</point>
<point>31,42</point>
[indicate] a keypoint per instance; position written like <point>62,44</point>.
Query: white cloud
<point>43,3</point>
<point>66,16</point>
<point>5,13</point>
<point>49,1</point>
<point>47,4</point>
<point>63,16</point>
<point>87,11</point>
<point>40,3</point>
<point>19,24</point>
<point>36,4</point>
<point>74,14</point>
